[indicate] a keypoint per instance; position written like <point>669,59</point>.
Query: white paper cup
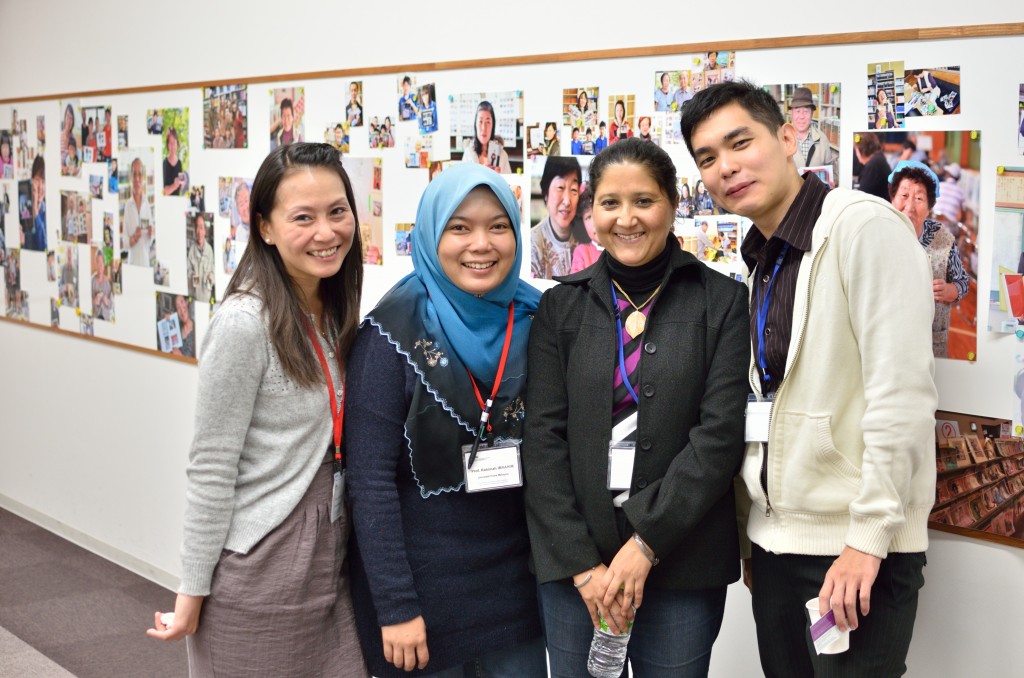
<point>840,644</point>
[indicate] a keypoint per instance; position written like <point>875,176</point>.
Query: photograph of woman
<point>641,358</point>
<point>175,180</point>
<point>485,148</point>
<point>264,554</point>
<point>685,209</point>
<point>551,144</point>
<point>620,128</point>
<point>440,571</point>
<point>702,200</point>
<point>427,110</point>
<point>883,117</point>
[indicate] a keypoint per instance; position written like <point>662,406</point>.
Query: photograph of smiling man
<point>552,240</point>
<point>839,471</point>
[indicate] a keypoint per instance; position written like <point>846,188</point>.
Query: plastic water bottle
<point>608,651</point>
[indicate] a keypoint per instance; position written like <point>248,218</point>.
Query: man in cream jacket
<point>839,474</point>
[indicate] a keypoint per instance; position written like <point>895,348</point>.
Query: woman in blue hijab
<point>435,392</point>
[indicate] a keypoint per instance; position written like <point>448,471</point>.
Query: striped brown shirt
<point>760,256</point>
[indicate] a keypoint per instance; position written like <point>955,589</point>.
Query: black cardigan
<point>693,387</point>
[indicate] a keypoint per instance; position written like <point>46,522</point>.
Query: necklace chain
<point>626,296</point>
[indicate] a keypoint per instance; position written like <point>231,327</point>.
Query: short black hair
<point>558,166</point>
<point>287,103</point>
<point>754,99</point>
<point>907,143</point>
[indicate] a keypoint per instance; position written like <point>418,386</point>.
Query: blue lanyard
<point>762,317</point>
<point>622,356</point>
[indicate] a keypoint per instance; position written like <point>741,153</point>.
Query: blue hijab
<point>444,331</point>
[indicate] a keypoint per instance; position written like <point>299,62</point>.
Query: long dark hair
<point>261,271</point>
<point>484,106</point>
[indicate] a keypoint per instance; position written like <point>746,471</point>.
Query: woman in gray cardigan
<point>635,430</point>
<point>264,554</point>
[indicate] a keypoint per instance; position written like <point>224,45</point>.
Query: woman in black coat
<point>629,490</point>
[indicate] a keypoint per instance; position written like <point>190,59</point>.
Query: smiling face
<point>181,306</point>
<point>620,111</point>
<point>801,119</point>
<point>632,215</point>
<point>645,125</point>
<point>746,167</point>
<point>242,202</point>
<point>484,126</point>
<point>287,118</point>
<point>138,179</point>
<point>200,231</point>
<point>478,246</point>
<point>311,225</point>
<point>563,195</point>
<point>911,198</point>
<point>666,81</point>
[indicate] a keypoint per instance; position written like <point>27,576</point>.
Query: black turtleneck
<point>645,278</point>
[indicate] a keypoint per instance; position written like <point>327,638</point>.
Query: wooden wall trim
<point>863,37</point>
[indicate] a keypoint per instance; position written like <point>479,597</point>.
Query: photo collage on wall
<point>487,129</point>
<point>233,204</point>
<point>366,175</point>
<point>226,116</point>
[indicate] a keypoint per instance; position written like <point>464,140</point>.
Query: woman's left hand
<point>627,573</point>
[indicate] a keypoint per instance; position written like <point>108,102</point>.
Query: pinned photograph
<point>41,133</point>
<point>102,289</point>
<point>813,109</point>
<point>154,121</point>
<point>579,107</point>
<point>32,207</point>
<point>1006,285</point>
<point>17,304</point>
<point>175,329</point>
<point>200,258</point>
<point>6,155</point>
<point>426,109</point>
<point>225,116</point>
<point>354,107</point>
<point>122,132</point>
<point>367,180</point>
<point>286,116</point>
<point>403,239</point>
<point>75,217</point>
<point>1020,118</point>
<point>487,129</point>
<point>86,326</point>
<point>557,227</point>
<point>381,133</point>
<point>12,269</point>
<point>67,274</point>
<point>233,204</point>
<point>175,151</point>
<point>51,266</point>
<point>621,110</point>
<point>54,313</point>
<point>716,60</point>
<point>197,198</point>
<point>419,150</point>
<point>113,184</point>
<point>135,206</point>
<point>436,167</point>
<point>886,95</point>
<point>97,134</point>
<point>406,97</point>
<point>70,140</point>
<point>336,134</point>
<point>932,91</point>
<point>96,182</point>
<point>543,140</point>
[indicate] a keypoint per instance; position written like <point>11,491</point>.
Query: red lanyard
<point>485,415</point>
<point>338,418</point>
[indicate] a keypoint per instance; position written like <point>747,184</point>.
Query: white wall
<point>94,438</point>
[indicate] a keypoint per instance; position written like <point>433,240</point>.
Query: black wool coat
<point>689,443</point>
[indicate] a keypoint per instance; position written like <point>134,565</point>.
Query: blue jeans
<point>525,660</point>
<point>672,634</point>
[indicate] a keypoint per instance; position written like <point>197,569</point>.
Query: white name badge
<point>756,421</point>
<point>338,496</point>
<point>495,468</point>
<point>620,464</point>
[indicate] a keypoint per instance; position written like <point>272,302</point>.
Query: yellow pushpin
<point>974,135</point>
<point>1019,429</point>
<point>1000,170</point>
<point>78,311</point>
<point>856,138</point>
<point>970,355</point>
<point>696,61</point>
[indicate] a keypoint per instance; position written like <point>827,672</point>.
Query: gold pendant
<point>635,324</point>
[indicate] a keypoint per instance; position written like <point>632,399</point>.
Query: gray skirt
<point>284,608</point>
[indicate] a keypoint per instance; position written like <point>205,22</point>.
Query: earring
<point>268,241</point>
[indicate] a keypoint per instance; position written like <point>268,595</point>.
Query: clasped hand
<point>616,591</point>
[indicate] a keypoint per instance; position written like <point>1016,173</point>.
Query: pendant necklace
<point>636,321</point>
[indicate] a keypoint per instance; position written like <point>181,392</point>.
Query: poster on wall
<point>233,204</point>
<point>979,486</point>
<point>32,208</point>
<point>101,286</point>
<point>885,95</point>
<point>226,116</point>
<point>354,107</point>
<point>932,91</point>
<point>381,132</point>
<point>337,135</point>
<point>97,131</point>
<point>175,329</point>
<point>487,128</point>
<point>1006,286</point>
<point>200,258</point>
<point>367,177</point>
<point>135,206</point>
<point>287,120</point>
<point>76,217</point>
<point>70,139</point>
<point>175,151</point>
<point>556,226</point>
<point>67,275</point>
<point>621,111</point>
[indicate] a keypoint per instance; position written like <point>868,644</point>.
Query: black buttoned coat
<point>692,389</point>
